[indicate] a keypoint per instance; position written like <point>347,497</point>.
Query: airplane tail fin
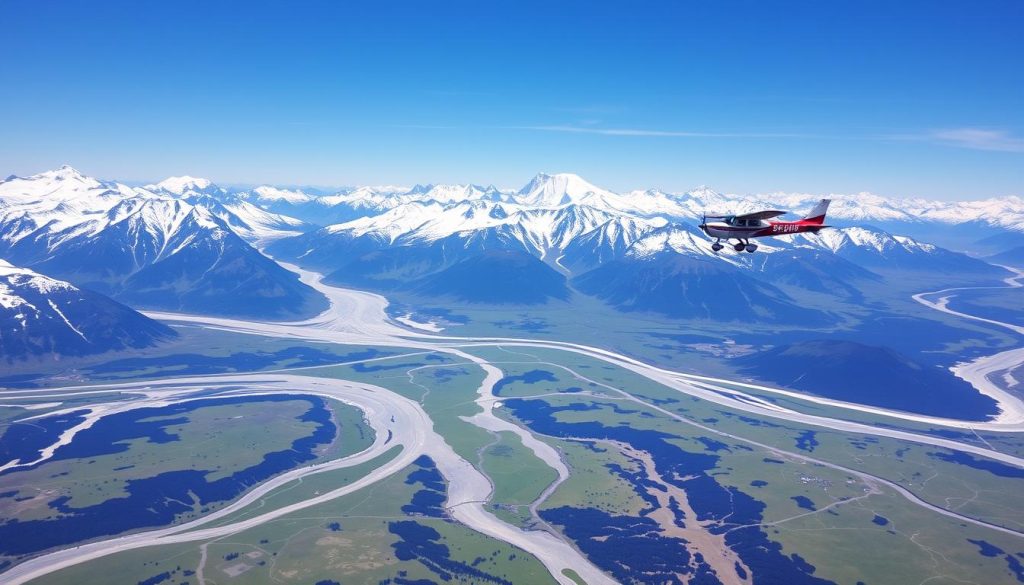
<point>817,215</point>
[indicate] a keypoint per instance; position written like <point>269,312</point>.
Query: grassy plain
<point>346,540</point>
<point>220,440</point>
<point>845,505</point>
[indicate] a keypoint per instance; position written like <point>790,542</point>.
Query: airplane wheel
<point>716,246</point>
<point>751,248</point>
<point>739,247</point>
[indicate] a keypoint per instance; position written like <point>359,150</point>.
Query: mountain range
<point>555,190</point>
<point>182,245</point>
<point>186,244</point>
<point>639,251</point>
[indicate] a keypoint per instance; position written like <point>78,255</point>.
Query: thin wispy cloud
<point>969,138</point>
<point>657,133</point>
<point>589,129</point>
<point>979,139</point>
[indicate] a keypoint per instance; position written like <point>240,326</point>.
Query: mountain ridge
<point>44,317</point>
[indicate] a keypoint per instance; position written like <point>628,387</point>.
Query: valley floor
<point>506,460</point>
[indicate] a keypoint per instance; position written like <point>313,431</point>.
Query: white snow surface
<point>183,185</point>
<point>267,193</point>
<point>58,206</point>
<point>14,277</point>
<point>548,215</point>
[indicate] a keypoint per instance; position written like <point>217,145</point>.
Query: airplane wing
<point>767,214</point>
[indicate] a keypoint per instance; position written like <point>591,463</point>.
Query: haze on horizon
<point>901,99</point>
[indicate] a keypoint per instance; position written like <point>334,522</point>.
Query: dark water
<point>628,547</point>
<point>198,364</point>
<point>530,377</point>
<point>804,502</point>
<point>1013,563</point>
<point>989,465</point>
<point>25,440</point>
<point>422,543</point>
<point>156,500</point>
<point>367,369</point>
<point>807,441</point>
<point>428,501</point>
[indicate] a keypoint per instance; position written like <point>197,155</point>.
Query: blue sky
<point>899,98</point>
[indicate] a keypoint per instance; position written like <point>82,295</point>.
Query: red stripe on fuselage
<point>775,228</point>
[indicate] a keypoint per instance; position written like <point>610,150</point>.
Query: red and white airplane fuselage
<point>743,227</point>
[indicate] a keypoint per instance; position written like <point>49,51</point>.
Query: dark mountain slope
<point>867,374</point>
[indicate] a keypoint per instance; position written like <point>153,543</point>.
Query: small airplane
<point>742,227</point>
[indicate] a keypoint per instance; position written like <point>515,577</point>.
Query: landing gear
<point>739,246</point>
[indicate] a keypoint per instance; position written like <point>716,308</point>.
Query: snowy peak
<point>268,194</point>
<point>66,173</point>
<point>455,193</point>
<point>369,197</point>
<point>682,239</point>
<point>555,190</point>
<point>61,183</point>
<point>14,281</point>
<point>185,185</point>
<point>59,205</point>
<point>861,239</point>
<point>254,224</point>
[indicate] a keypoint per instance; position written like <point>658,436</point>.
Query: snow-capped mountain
<point>185,186</point>
<point>479,223</point>
<point>181,251</point>
<point>140,241</point>
<point>328,209</point>
<point>268,195</point>
<point>55,201</point>
<point>866,247</point>
<point>455,193</point>
<point>692,288</point>
<point>253,223</point>
<point>576,227</point>
<point>561,189</point>
<point>556,190</point>
<point>608,241</point>
<point>1001,212</point>
<point>879,250</point>
<point>552,212</point>
<point>41,316</point>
